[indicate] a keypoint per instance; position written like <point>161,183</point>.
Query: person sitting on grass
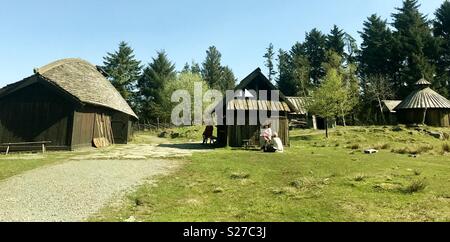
<point>266,134</point>
<point>277,143</point>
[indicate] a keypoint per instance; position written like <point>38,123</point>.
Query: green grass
<point>17,163</point>
<point>314,180</point>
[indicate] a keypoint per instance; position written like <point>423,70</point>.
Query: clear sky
<point>34,33</point>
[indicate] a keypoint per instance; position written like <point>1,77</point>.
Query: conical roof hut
<point>424,106</point>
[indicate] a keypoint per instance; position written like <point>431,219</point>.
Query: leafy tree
<point>315,48</point>
<point>414,47</point>
<point>123,71</point>
<point>335,40</point>
<point>269,56</point>
<point>156,76</point>
<point>441,29</point>
<point>184,81</point>
<point>378,89</point>
<point>327,99</point>
<point>212,69</point>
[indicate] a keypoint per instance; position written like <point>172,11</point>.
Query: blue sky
<point>34,33</point>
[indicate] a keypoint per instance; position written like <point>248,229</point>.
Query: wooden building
<point>69,103</point>
<point>387,111</point>
<point>424,106</point>
<point>277,112</point>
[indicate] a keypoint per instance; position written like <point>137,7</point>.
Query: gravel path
<point>76,189</point>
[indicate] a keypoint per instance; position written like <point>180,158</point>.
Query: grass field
<point>314,180</point>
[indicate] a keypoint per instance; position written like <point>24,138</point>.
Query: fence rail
<point>151,126</point>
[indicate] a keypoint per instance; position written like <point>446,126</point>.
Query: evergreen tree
<point>335,41</point>
<point>123,71</point>
<point>227,79</point>
<point>376,48</point>
<point>413,47</point>
<point>300,69</point>
<point>156,76</point>
<point>195,68</point>
<point>315,48</point>
<point>186,68</point>
<point>269,62</point>
<point>441,26</point>
<point>212,69</point>
<point>285,82</point>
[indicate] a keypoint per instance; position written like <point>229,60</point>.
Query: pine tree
<point>186,68</point>
<point>413,47</point>
<point>156,75</point>
<point>285,82</point>
<point>441,30</point>
<point>269,62</point>
<point>300,69</point>
<point>195,68</point>
<point>123,71</point>
<point>212,69</point>
<point>227,80</point>
<point>335,41</point>
<point>376,48</point>
<point>315,48</point>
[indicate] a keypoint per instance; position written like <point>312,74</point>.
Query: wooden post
<point>157,123</point>
<point>43,148</point>
<point>7,150</point>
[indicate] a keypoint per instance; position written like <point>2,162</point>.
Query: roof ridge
<point>57,63</point>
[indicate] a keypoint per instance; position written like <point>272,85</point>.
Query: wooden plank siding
<point>36,113</point>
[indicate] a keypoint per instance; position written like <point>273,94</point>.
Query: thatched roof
<point>299,104</point>
<point>84,82</point>
<point>424,98</point>
<point>390,105</point>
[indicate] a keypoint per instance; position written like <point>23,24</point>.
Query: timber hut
<point>68,103</point>
<point>424,106</point>
<point>299,117</point>
<point>249,102</point>
<point>387,111</point>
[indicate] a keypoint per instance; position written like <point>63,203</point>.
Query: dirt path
<point>76,189</point>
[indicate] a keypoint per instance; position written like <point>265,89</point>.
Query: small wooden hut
<point>69,103</point>
<point>387,111</point>
<point>424,106</point>
<point>299,117</point>
<point>239,135</point>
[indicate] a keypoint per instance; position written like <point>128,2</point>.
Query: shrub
<point>354,146</point>
<point>417,172</point>
<point>446,148</point>
<point>415,186</point>
<point>239,176</point>
<point>359,177</point>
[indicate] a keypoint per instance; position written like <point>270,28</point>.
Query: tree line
<point>343,79</point>
<point>391,58</point>
<point>148,88</point>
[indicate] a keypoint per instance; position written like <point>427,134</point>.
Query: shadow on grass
<point>189,146</point>
<point>302,138</point>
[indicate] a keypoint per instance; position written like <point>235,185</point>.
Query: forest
<point>393,55</point>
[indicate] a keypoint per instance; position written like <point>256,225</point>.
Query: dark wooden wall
<point>91,122</point>
<point>237,133</point>
<point>35,113</point>
<point>121,127</point>
<point>434,117</point>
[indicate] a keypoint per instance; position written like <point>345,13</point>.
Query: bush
<point>239,176</point>
<point>413,150</point>
<point>354,146</point>
<point>446,148</point>
<point>359,177</point>
<point>415,186</point>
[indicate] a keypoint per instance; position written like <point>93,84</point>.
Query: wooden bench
<point>41,143</point>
